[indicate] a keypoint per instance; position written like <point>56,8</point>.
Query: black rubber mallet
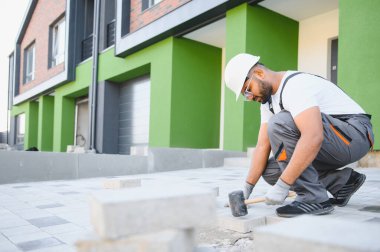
<point>238,204</point>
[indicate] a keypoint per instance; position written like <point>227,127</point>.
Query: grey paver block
<point>50,206</point>
<point>374,220</point>
<point>273,219</point>
<point>28,237</point>
<point>47,221</point>
<point>14,222</point>
<point>64,228</point>
<point>150,209</point>
<point>163,241</point>
<point>72,237</point>
<point>22,230</point>
<point>69,193</point>
<point>118,183</point>
<point>58,248</point>
<point>8,247</point>
<point>244,224</point>
<point>374,209</point>
<point>2,238</point>
<point>313,233</point>
<point>33,213</point>
<point>38,244</point>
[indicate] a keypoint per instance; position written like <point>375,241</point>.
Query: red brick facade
<point>141,18</point>
<point>45,14</point>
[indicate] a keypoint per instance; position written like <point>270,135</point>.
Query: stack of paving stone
<point>149,218</point>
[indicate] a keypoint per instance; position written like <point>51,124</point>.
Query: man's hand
<point>277,194</point>
<point>247,190</point>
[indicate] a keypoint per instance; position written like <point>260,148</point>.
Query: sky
<point>11,15</point>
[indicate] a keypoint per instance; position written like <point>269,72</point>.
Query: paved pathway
<point>52,215</point>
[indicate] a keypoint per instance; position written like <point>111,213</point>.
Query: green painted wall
<point>261,32</point>
<point>359,55</point>
<point>196,87</point>
<point>19,109</point>
<point>31,125</point>
<point>45,123</point>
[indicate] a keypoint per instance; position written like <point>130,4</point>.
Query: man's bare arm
<point>309,123</point>
<point>260,155</point>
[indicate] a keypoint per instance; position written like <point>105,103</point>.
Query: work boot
<point>342,197</point>
<point>297,208</point>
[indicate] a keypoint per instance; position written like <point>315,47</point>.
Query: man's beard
<point>265,91</point>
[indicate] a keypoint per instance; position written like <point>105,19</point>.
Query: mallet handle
<point>262,199</point>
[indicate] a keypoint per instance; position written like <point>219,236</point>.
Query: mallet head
<point>237,205</point>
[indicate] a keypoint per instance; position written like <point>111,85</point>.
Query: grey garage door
<point>134,114</point>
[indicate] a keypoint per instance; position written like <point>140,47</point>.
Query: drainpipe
<point>11,83</point>
<point>93,87</point>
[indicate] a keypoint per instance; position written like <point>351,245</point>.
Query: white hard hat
<point>237,70</point>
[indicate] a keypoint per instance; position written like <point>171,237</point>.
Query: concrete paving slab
<point>28,237</point>
<point>70,238</point>
<point>244,224</point>
<point>312,233</point>
<point>64,228</point>
<point>124,212</point>
<point>13,223</point>
<point>38,244</point>
<point>8,247</point>
<point>23,230</point>
<point>58,248</point>
<point>47,221</point>
<point>54,205</point>
<point>118,183</point>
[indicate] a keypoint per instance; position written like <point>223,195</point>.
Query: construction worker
<point>312,128</point>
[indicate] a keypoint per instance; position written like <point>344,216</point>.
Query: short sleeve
<point>265,113</point>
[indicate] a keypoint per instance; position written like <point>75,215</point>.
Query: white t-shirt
<point>304,91</point>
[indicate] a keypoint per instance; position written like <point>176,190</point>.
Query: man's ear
<point>259,73</point>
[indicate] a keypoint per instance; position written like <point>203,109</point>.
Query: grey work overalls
<point>347,138</point>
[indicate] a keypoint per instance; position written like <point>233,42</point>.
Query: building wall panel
<point>45,14</point>
<point>140,18</point>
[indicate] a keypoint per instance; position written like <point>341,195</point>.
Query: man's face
<point>257,90</point>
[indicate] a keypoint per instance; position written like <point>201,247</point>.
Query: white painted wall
<point>313,45</point>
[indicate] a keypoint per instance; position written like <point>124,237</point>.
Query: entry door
<point>334,61</point>
<point>134,109</point>
<point>82,117</point>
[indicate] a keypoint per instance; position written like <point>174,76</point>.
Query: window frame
<point>147,4</point>
<point>29,75</point>
<point>54,53</point>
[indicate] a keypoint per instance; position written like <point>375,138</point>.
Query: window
<point>58,42</point>
<point>149,3</point>
<point>20,128</point>
<point>29,60</point>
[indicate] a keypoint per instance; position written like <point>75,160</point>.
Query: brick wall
<point>141,18</point>
<point>45,14</point>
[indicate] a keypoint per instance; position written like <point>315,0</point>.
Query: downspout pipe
<point>93,87</point>
<point>11,83</point>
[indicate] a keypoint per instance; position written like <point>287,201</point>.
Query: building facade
<point>113,75</point>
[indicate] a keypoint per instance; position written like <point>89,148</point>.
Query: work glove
<point>247,190</point>
<point>277,194</point>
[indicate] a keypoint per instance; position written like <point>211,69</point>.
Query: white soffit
<point>300,9</point>
<point>212,34</point>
